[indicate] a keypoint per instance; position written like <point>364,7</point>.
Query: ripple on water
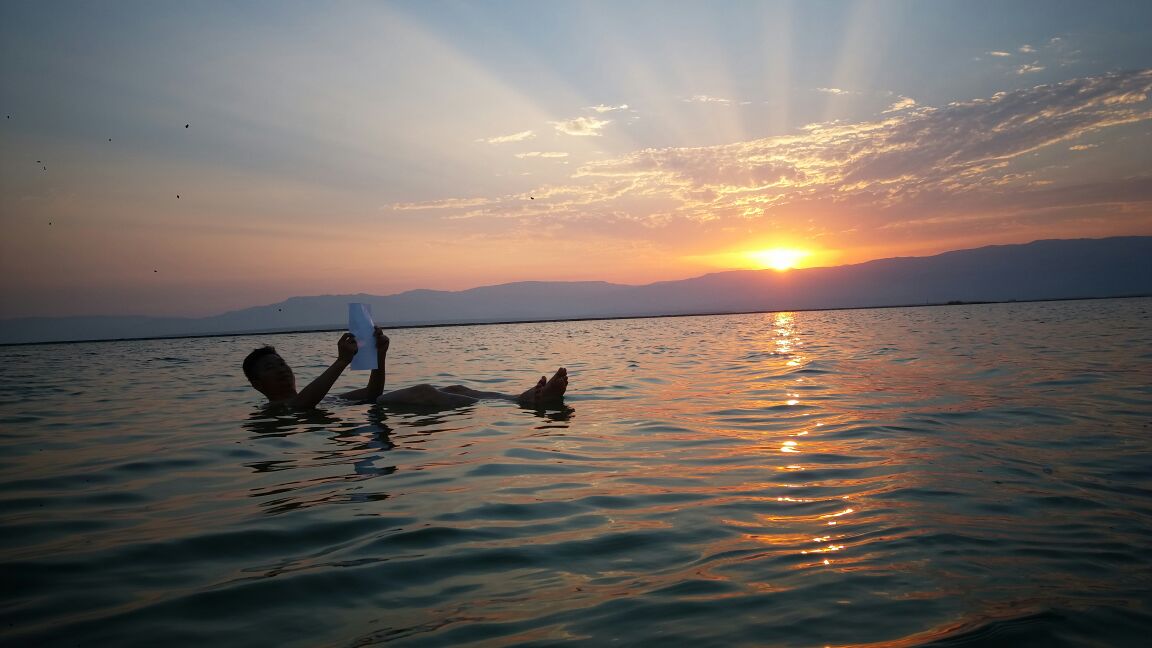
<point>887,477</point>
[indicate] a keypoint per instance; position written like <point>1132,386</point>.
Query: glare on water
<point>841,477</point>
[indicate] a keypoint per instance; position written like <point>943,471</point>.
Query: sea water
<point>974,474</point>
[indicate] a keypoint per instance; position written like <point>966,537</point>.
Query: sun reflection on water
<point>785,402</point>
<point>851,468</point>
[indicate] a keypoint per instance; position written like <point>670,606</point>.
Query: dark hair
<point>250,361</point>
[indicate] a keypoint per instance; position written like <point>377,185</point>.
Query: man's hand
<point>376,378</point>
<point>315,391</point>
<point>346,347</point>
<point>382,341</point>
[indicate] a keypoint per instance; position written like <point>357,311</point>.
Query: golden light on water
<point>780,419</point>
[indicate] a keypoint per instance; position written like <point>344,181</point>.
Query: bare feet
<point>533,394</point>
<point>546,391</point>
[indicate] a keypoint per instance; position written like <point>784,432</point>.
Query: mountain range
<point>1041,270</point>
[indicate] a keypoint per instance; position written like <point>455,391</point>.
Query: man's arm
<point>376,379</point>
<point>317,389</point>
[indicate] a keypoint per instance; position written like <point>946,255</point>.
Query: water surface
<point>967,475</point>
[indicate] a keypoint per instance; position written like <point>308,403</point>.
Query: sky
<point>189,158</point>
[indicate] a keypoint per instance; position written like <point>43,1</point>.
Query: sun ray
<point>777,51</point>
<point>863,46</point>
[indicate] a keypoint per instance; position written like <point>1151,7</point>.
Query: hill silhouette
<point>1050,269</point>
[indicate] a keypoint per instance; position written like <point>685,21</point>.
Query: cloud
<point>607,109</point>
<point>1029,68</point>
<point>835,91</point>
<point>700,98</point>
<point>542,154</point>
<point>1082,147</point>
<point>450,203</point>
<point>1026,49</point>
<point>927,165</point>
<point>581,126</point>
<point>998,53</point>
<point>903,103</point>
<point>505,139</point>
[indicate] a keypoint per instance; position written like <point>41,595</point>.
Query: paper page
<point>361,325</point>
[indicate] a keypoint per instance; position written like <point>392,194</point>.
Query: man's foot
<point>546,391</point>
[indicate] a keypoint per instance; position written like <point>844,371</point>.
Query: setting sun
<point>778,258</point>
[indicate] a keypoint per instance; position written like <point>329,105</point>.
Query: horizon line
<point>574,319</point>
<point>530,281</point>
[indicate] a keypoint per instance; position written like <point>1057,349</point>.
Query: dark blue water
<point>968,475</point>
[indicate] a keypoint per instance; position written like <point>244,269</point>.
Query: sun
<point>777,258</point>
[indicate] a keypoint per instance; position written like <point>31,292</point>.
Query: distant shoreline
<point>572,319</point>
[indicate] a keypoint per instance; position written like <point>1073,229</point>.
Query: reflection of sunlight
<point>786,343</point>
<point>838,514</point>
<point>830,548</point>
<point>801,500</point>
<point>815,527</point>
<point>785,330</point>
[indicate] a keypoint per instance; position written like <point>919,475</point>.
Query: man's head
<point>269,374</point>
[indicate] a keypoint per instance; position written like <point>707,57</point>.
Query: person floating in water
<point>270,375</point>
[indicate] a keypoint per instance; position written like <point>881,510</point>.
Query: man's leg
<point>475,393</point>
<point>545,391</point>
<point>425,396</point>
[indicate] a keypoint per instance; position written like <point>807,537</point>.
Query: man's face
<point>273,376</point>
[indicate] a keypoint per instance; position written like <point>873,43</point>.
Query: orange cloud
<point>913,168</point>
<point>903,103</point>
